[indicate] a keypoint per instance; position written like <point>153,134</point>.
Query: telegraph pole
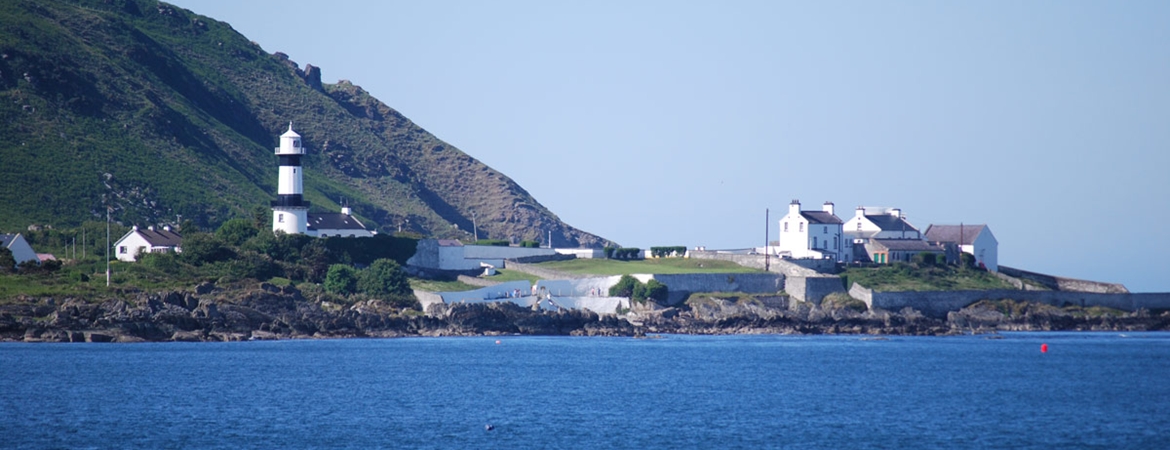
<point>767,233</point>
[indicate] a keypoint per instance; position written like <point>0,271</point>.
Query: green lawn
<point>907,277</point>
<point>657,266</point>
<point>504,275</point>
<point>440,286</point>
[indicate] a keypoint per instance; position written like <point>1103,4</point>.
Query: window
<point>802,227</point>
<point>826,229</point>
<point>122,249</point>
<point>785,227</point>
<point>814,242</point>
<point>280,218</point>
<point>835,242</point>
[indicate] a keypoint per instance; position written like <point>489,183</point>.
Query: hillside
<point>155,112</point>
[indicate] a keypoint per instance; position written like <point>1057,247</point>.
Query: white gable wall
<point>127,248</point>
<point>985,249</point>
<point>20,249</point>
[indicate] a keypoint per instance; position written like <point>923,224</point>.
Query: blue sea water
<point>1090,390</point>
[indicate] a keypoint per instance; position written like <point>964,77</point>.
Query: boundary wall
<point>812,289</point>
<point>681,286</point>
<point>1064,284</point>
<point>939,303</point>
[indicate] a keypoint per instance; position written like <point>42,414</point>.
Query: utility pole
<point>767,234</point>
<point>107,246</point>
<point>474,227</point>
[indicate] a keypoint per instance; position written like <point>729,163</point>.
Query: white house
<point>870,222</point>
<point>341,224</point>
<point>19,247</point>
<point>147,241</point>
<point>975,240</point>
<point>813,234</point>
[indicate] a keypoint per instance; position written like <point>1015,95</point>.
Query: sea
<point>1084,390</point>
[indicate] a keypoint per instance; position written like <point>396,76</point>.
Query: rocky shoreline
<point>270,312</point>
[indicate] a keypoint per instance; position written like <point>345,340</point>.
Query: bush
<point>656,291</point>
<point>926,259</point>
<point>608,252</point>
<point>7,261</point>
<point>341,279</point>
<point>236,231</point>
<point>529,244</point>
<point>492,242</point>
<point>624,287</point>
<point>664,252</point>
<point>203,248</point>
<point>624,253</point>
<point>384,278</point>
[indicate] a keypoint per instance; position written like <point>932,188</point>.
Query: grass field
<point>504,275</point>
<point>907,277</point>
<point>658,266</point>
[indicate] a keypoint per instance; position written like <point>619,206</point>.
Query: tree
<point>236,231</point>
<point>203,248</point>
<point>341,279</point>
<point>7,262</point>
<point>384,278</point>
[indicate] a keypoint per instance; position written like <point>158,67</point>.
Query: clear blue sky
<point>679,123</point>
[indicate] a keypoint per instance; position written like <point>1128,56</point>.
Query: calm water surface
<point>1091,390</point>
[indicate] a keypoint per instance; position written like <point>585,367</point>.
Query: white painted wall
<point>801,239</point>
<point>21,250</point>
<point>985,249</point>
<point>583,253</point>
<point>290,220</point>
<point>290,181</point>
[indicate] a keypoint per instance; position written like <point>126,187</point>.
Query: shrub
<point>384,278</point>
<point>624,287</point>
<point>926,259</point>
<point>236,231</point>
<point>625,253</point>
<point>663,252</point>
<point>656,291</point>
<point>7,261</point>
<point>608,252</point>
<point>203,248</point>
<point>341,279</point>
<point>492,242</point>
<point>529,244</point>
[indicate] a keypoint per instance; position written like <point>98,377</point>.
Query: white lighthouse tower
<point>290,211</point>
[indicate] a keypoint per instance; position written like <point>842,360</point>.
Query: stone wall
<point>939,303</point>
<point>812,289</point>
<point>1064,284</point>
<point>541,258</point>
<point>681,286</point>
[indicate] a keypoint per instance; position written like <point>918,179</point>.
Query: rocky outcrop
<point>266,311</point>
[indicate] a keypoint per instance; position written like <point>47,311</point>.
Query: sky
<point>655,123</point>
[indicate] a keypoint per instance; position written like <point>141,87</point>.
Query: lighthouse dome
<point>290,132</point>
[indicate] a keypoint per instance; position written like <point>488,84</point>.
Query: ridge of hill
<point>156,113</point>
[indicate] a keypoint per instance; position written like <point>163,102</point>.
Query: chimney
<point>794,208</point>
<point>345,210</point>
<point>166,228</point>
<point>135,227</point>
<point>828,207</point>
<point>896,212</point>
<point>151,228</point>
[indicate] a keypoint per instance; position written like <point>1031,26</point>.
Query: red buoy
<point>1043,348</point>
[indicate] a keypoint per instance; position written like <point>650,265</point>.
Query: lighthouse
<point>290,211</point>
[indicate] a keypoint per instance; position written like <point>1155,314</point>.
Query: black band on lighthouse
<point>290,200</point>
<point>290,160</point>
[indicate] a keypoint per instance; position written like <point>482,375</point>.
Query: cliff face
<point>155,112</point>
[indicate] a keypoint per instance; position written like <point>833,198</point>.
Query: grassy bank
<point>908,277</point>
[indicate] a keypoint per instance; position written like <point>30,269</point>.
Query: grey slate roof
<point>161,238</point>
<point>950,233</point>
<point>6,239</point>
<point>334,221</point>
<point>908,245</point>
<point>890,223</point>
<point>821,217</point>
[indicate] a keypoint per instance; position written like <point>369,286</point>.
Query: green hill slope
<point>156,112</point>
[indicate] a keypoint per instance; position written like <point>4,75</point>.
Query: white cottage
<point>813,234</point>
<point>19,247</point>
<point>147,241</point>
<point>870,222</point>
<point>975,240</point>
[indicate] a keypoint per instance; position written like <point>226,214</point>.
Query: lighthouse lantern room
<point>290,210</point>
